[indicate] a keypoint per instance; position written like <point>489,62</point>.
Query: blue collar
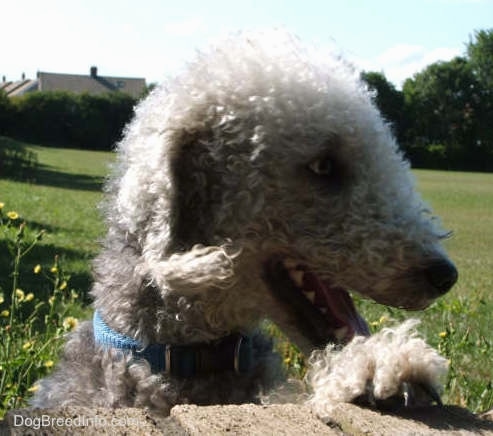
<point>232,353</point>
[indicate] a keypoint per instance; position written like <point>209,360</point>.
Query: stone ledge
<point>246,419</point>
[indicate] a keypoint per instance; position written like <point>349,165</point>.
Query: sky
<point>154,38</point>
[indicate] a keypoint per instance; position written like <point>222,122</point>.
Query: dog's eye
<point>327,171</point>
<point>322,167</point>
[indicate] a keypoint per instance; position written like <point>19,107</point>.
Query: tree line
<point>443,117</point>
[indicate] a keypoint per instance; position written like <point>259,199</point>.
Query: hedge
<point>65,119</point>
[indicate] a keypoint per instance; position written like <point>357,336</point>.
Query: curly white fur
<point>214,179</point>
<point>377,365</point>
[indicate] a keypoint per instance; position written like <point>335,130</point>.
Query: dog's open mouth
<point>322,313</point>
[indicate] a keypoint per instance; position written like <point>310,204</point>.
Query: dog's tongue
<point>338,308</point>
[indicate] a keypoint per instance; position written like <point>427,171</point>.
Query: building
<point>92,83</point>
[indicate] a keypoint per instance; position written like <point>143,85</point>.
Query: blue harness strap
<point>232,353</point>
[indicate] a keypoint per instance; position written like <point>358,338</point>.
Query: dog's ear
<point>195,189</point>
<point>194,271</point>
<point>180,252</point>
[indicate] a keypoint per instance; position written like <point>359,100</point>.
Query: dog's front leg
<point>391,368</point>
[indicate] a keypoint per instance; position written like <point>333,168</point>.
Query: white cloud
<point>402,61</point>
<point>441,54</point>
<point>400,54</point>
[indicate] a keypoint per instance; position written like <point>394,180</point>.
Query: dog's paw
<point>389,369</point>
<point>409,395</point>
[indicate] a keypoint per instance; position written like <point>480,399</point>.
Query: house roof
<point>19,87</point>
<point>91,83</point>
<point>78,83</point>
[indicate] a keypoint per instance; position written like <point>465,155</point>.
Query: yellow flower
<point>442,334</point>
<point>28,345</point>
<point>1,205</point>
<point>13,215</point>
<point>48,364</point>
<point>69,323</point>
<point>287,360</point>
<point>29,297</point>
<point>37,269</point>
<point>4,313</point>
<point>383,319</point>
<point>19,293</point>
<point>51,300</point>
<point>54,269</point>
<point>33,388</point>
<point>1,299</point>
<point>63,285</point>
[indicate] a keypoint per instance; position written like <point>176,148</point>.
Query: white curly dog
<point>259,183</point>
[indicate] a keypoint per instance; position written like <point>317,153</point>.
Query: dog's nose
<point>442,275</point>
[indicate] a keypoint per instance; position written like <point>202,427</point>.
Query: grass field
<point>61,197</point>
<point>62,192</point>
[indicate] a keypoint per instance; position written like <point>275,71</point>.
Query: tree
<point>443,104</point>
<point>387,98</point>
<point>480,54</point>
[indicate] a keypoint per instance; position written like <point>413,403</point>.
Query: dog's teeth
<point>297,277</point>
<point>290,263</point>
<point>310,295</point>
<point>341,333</point>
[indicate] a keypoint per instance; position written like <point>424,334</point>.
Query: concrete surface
<point>246,419</point>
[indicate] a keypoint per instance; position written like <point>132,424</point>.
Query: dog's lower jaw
<point>312,313</point>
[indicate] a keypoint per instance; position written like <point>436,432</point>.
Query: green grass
<point>63,189</point>
<point>61,197</point>
<point>57,191</point>
<point>465,201</point>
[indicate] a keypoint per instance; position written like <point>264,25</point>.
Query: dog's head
<point>280,153</point>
